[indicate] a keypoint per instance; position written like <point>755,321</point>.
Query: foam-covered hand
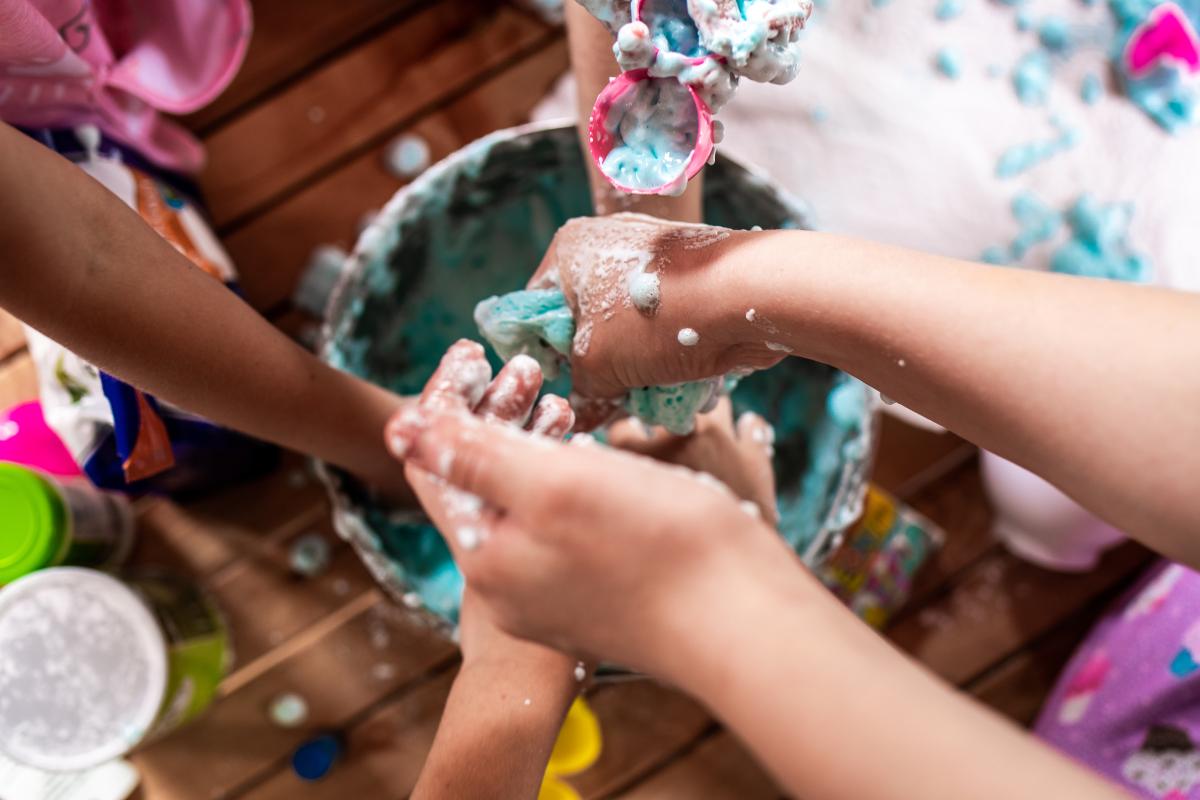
<point>463,383</point>
<point>737,454</point>
<point>649,306</point>
<point>586,549</point>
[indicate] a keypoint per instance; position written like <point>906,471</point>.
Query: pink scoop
<point>601,140</point>
<point>1167,34</point>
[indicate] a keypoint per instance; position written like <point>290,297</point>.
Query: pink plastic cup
<point>601,140</point>
<point>25,438</point>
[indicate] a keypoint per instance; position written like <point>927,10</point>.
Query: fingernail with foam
<point>404,429</point>
<point>553,417</point>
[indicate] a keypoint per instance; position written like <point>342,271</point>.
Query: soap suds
<point>948,9</point>
<point>469,538</point>
<point>688,337</point>
<point>948,62</point>
<point>288,710</point>
<point>1031,78</point>
<point>1098,246</point>
<point>309,555</point>
<point>407,156</point>
<point>1023,157</point>
<point>750,509</point>
<point>644,291</point>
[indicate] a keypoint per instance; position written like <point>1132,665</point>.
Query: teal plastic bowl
<point>477,224</point>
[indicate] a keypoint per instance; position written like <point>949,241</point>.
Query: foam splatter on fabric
<point>1023,157</point>
<point>1098,245</point>
<point>948,9</point>
<point>1031,78</point>
<point>948,63</point>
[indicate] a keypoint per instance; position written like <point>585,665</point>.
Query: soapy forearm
<point>593,64</point>
<point>835,712</point>
<point>85,270</point>
<point>1092,384</point>
<point>497,731</point>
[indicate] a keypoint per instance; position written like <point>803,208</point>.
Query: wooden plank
<point>356,101</point>
<point>290,36</point>
<point>201,537</point>
<point>1018,686</point>
<point>272,250</point>
<point>643,724</point>
<point>1000,603</point>
<point>958,503</point>
<point>909,457</point>
<point>18,380</point>
<point>269,607</point>
<point>347,669</point>
<point>718,768</point>
<point>384,753</point>
<point>12,337</point>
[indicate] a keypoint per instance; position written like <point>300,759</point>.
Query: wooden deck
<point>295,160</point>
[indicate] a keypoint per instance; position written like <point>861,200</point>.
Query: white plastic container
<point>1039,523</point>
<point>92,666</point>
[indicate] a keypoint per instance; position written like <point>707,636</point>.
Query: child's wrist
<point>745,608</point>
<point>546,681</point>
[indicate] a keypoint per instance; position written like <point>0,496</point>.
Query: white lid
<point>83,669</point>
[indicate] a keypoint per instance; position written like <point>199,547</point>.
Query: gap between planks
<point>363,99</point>
<point>284,51</point>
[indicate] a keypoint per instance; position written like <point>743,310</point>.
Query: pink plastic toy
<point>1166,35</point>
<point>26,439</point>
<point>601,139</point>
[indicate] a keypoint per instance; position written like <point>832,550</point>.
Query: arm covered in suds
<point>85,270</point>
<point>608,555</point>
<point>510,696</point>
<point>1092,384</point>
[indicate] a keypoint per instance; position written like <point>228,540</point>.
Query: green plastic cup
<point>48,523</point>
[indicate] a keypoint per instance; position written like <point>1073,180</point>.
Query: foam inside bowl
<point>477,224</point>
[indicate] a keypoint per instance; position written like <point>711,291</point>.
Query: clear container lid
<point>83,669</point>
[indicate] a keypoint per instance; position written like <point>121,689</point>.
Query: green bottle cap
<point>32,522</point>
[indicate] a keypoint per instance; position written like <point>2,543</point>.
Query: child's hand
<point>737,455</point>
<point>585,549</point>
<point>462,383</point>
<point>624,340</point>
<point>486,648</point>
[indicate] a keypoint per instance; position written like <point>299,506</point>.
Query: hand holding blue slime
<point>538,323</point>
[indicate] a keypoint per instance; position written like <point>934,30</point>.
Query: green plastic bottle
<point>45,522</point>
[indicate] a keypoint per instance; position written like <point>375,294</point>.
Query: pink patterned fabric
<point>1128,704</point>
<point>117,64</point>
